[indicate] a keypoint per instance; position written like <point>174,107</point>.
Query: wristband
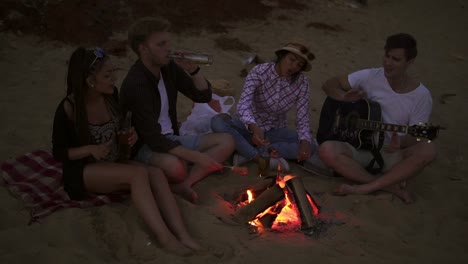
<point>195,71</point>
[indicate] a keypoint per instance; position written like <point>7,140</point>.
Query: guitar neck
<point>379,126</point>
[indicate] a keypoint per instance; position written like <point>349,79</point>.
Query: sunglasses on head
<point>99,55</point>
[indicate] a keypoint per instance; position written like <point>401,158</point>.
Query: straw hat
<point>300,50</point>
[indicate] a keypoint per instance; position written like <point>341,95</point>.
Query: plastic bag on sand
<point>198,122</point>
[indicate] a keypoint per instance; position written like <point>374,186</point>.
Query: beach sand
<point>345,37</point>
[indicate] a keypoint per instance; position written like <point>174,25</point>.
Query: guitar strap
<point>378,159</point>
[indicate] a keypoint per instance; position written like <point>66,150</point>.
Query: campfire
<point>282,204</point>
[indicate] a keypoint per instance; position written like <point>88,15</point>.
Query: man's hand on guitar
<point>354,95</point>
<point>305,150</point>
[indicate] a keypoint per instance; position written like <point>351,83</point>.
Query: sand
<point>376,228</point>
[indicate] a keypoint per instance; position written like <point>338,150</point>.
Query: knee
<point>326,153</point>
<point>428,153</point>
<point>175,169</point>
<point>228,141</point>
<point>218,122</point>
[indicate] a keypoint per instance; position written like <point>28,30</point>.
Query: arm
<point>302,113</point>
<point>420,114</point>
<point>195,87</point>
<point>61,134</point>
<point>336,87</point>
<point>198,79</point>
<point>246,100</point>
<point>303,122</point>
<point>138,97</point>
<point>65,141</point>
<point>340,89</point>
<point>245,105</point>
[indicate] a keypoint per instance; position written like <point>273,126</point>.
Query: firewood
<point>304,207</point>
<point>268,198</point>
<point>269,218</point>
<point>240,194</point>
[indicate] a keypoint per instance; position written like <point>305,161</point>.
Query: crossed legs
<point>339,157</point>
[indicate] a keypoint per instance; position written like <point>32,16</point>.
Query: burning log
<point>304,205</point>
<point>269,218</point>
<point>268,198</point>
<point>238,195</point>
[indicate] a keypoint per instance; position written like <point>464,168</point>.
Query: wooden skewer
<point>238,170</point>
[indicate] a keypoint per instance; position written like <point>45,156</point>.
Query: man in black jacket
<point>150,91</point>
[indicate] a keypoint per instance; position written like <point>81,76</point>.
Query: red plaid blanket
<point>36,178</point>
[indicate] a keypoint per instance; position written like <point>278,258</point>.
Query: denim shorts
<point>189,141</point>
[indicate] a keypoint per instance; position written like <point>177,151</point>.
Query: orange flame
<point>281,181</point>
<point>288,218</point>
<point>250,196</point>
<point>314,206</point>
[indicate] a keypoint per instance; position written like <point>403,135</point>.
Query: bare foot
<point>176,247</point>
<point>402,184</point>
<point>186,192</point>
<point>343,189</point>
<point>402,193</point>
<point>191,243</point>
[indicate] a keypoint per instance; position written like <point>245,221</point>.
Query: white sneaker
<point>283,164</point>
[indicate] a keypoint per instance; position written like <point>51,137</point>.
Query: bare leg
<point>109,177</point>
<point>218,146</point>
<point>338,156</point>
<point>175,170</point>
<point>168,207</point>
<point>415,158</point>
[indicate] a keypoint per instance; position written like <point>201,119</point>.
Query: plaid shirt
<point>266,98</point>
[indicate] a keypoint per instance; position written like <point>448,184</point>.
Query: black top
<point>64,137</point>
<point>140,94</point>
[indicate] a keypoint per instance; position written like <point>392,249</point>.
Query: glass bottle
<point>124,134</point>
<point>263,164</point>
<point>199,58</point>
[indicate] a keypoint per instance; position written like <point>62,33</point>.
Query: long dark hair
<point>83,63</point>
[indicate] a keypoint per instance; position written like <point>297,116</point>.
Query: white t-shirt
<point>401,109</point>
<point>164,119</point>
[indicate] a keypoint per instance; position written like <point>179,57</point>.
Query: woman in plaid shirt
<point>270,91</point>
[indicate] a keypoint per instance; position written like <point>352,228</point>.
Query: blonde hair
<point>141,29</point>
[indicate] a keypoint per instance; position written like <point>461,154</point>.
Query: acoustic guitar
<point>359,123</point>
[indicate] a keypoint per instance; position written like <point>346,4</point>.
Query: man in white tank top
<point>403,101</point>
